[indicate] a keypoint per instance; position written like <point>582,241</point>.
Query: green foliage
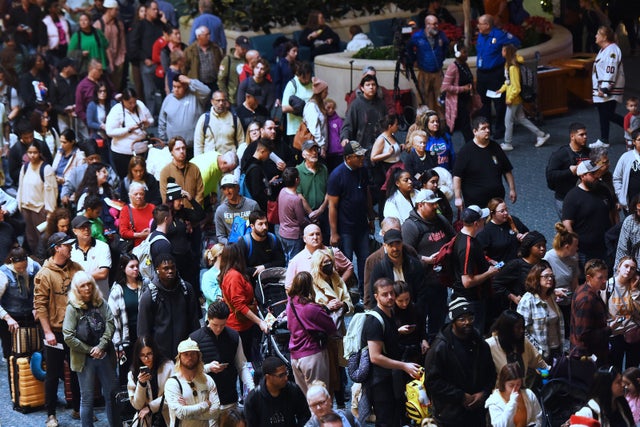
<point>382,53</point>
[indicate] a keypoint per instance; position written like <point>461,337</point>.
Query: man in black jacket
<point>427,231</point>
<point>396,262</point>
<point>563,163</point>
<point>222,354</point>
<point>168,309</point>
<point>460,373</point>
<point>276,401</point>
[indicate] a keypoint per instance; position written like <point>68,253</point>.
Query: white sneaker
<point>598,143</point>
<point>542,139</point>
<point>506,147</point>
<point>52,421</point>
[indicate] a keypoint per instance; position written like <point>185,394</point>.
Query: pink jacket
<point>450,86</point>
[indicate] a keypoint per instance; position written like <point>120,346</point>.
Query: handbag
<point>632,335</point>
<point>303,134</point>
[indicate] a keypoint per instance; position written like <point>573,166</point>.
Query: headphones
<point>456,52</point>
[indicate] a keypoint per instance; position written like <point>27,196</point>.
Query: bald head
<point>251,57</point>
<point>485,24</point>
<point>312,237</point>
<point>390,223</point>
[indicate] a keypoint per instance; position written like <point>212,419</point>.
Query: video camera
<point>402,31</point>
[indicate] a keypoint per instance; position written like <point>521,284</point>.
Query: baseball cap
<point>80,221</point>
<point>392,235</point>
<point>59,238</point>
<point>243,42</point>
<point>308,144</point>
<point>188,345</point>
<point>110,4</point>
<point>354,147</point>
<point>228,179</point>
<point>427,196</point>
<point>474,213</point>
<point>586,167</point>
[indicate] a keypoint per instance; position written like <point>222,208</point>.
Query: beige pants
<point>311,368</point>
<point>429,84</point>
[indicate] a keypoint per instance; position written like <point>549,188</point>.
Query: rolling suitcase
<point>27,393</point>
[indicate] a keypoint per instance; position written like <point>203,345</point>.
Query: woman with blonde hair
<point>209,282</point>
<point>332,293</point>
<point>90,345</point>
<point>515,112</point>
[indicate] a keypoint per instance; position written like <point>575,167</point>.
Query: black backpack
<point>528,89</point>
<point>91,326</point>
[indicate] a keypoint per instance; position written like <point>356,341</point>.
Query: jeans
<point>105,372</point>
<point>291,248</point>
<point>148,74</point>
<point>358,244</point>
<point>515,114</point>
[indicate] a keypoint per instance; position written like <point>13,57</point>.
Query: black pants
<point>619,348</point>
<point>386,407</point>
<point>55,370</point>
<point>607,113</point>
<point>492,79</point>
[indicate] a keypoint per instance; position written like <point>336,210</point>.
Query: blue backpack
<point>242,183</point>
<point>239,227</point>
<point>248,241</point>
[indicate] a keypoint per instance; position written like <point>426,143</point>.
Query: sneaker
<point>506,147</point>
<point>598,143</point>
<point>75,415</point>
<point>52,421</point>
<point>542,139</point>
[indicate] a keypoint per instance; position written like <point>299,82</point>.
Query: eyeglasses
<point>319,404</point>
<point>466,319</point>
<point>548,276</point>
<point>146,355</point>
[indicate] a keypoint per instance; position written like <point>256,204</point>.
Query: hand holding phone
<point>500,264</point>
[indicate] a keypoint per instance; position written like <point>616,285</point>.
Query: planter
<point>335,68</point>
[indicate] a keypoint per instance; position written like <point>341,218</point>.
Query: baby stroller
<point>560,398</point>
<point>272,301</point>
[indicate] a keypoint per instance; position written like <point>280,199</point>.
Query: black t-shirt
<point>500,242</point>
<point>634,185</point>
<point>589,212</point>
<point>373,331</point>
<point>481,170</point>
<point>469,260</point>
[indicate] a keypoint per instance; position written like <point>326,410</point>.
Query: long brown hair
<point>232,258</point>
<point>510,56</point>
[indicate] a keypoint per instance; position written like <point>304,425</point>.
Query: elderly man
<point>184,173</point>
<point>491,69</point>
<point>92,254</point>
<point>302,261</point>
<point>233,206</point>
<point>320,403</point>
<point>217,129</point>
<point>429,47</point>
<point>212,166</point>
<point>313,184</point>
<point>202,59</point>
<point>211,22</point>
<point>180,109</point>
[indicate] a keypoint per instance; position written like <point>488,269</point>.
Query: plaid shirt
<point>589,330</point>
<point>535,312</point>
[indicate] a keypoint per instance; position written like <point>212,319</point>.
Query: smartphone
<point>500,264</point>
<point>123,360</point>
<point>224,364</point>
<point>411,326</point>
<point>144,370</point>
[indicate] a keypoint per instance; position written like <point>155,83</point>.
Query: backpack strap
<point>248,241</point>
<point>41,171</point>
<point>381,320</point>
<point>205,125</point>
<point>133,227</point>
<point>177,422</point>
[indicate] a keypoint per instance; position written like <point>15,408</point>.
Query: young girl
<point>515,113</point>
<point>631,381</point>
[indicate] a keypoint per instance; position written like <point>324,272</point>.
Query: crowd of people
<point>105,235</point>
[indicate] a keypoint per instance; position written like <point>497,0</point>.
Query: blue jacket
<point>429,58</point>
<point>489,48</point>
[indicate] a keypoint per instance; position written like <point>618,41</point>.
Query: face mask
<point>327,269</point>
